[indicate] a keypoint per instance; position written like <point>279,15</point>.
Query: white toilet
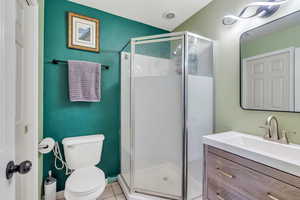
<point>87,182</point>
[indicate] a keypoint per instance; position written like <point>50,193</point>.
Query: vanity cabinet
<point>231,177</point>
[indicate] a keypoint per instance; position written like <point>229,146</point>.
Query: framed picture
<point>83,33</point>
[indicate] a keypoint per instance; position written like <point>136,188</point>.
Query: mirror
<point>270,66</point>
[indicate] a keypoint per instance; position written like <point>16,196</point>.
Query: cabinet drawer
<point>220,191</point>
<point>247,182</point>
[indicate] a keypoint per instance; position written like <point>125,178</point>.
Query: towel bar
<point>54,61</point>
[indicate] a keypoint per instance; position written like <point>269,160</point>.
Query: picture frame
<point>83,32</point>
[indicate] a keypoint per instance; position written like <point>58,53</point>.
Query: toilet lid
<point>85,181</point>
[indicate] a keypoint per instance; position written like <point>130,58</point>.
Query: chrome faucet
<point>272,122</point>
<point>272,131</point>
<point>271,127</point>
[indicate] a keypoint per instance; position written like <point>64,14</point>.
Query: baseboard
<point>110,180</point>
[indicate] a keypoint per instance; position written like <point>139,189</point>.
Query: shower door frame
<point>147,40</point>
<point>184,83</point>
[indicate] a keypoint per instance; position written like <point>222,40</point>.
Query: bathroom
<point>173,114</point>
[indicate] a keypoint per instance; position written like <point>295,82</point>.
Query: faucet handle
<point>285,132</point>
<point>284,138</point>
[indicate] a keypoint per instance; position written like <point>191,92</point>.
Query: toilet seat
<point>85,182</point>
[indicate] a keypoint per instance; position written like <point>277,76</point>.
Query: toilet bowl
<point>87,182</point>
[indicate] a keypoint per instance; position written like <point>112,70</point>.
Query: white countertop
<point>280,156</point>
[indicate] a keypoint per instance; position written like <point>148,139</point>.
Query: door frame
<point>34,98</point>
<point>148,40</point>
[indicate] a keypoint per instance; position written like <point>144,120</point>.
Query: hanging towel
<point>84,81</point>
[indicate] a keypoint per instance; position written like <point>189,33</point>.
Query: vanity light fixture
<point>264,9</point>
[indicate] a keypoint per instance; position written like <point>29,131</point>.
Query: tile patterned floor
<point>112,191</point>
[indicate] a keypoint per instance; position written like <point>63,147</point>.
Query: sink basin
<point>280,156</point>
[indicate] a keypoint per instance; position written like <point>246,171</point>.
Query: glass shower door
<point>157,111</point>
<point>199,109</point>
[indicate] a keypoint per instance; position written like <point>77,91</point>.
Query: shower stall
<point>166,108</point>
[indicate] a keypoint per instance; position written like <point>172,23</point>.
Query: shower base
<point>163,178</point>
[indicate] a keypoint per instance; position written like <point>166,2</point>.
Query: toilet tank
<point>83,151</point>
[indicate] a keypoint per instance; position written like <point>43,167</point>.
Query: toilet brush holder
<point>50,187</point>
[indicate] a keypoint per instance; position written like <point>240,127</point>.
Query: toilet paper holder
<point>43,146</point>
<point>46,145</point>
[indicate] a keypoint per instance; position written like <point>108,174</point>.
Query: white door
<point>18,100</point>
<point>268,81</point>
<point>7,95</point>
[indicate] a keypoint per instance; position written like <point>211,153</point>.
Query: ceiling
<point>149,11</point>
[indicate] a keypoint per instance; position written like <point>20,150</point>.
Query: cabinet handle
<point>219,197</point>
<point>225,173</point>
<point>272,197</point>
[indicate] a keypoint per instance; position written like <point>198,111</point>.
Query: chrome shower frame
<point>183,36</point>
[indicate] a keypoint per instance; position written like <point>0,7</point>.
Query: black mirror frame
<point>241,66</point>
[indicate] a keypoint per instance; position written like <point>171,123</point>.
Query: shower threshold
<point>141,196</point>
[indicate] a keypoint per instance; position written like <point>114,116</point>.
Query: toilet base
<point>92,196</point>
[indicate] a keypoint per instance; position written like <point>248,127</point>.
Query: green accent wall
<point>65,119</point>
<point>275,41</point>
<point>228,113</point>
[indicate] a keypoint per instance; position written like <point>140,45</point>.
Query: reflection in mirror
<point>270,60</point>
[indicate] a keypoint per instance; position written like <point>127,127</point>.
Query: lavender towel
<point>84,81</point>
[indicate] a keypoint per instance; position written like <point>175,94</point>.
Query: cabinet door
<point>225,177</point>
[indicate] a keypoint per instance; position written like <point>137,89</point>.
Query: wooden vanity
<point>231,177</point>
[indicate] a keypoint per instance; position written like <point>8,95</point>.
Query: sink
<point>280,156</point>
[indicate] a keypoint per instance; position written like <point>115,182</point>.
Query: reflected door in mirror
<point>268,81</point>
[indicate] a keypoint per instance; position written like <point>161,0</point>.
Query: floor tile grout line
<point>114,189</point>
<point>120,194</point>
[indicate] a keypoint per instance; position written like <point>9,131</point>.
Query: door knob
<point>22,168</point>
